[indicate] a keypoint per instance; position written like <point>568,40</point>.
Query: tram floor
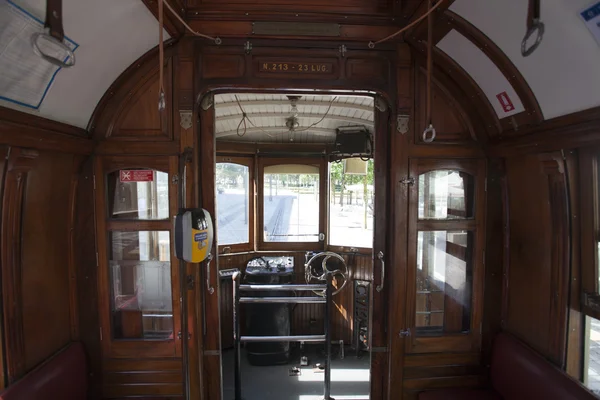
<point>349,378</point>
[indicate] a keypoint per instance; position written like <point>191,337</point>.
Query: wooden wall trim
<point>465,92</point>
<point>108,107</point>
<point>20,162</point>
<point>554,168</point>
<point>497,56</point>
<point>171,24</point>
<point>25,130</point>
<point>570,131</point>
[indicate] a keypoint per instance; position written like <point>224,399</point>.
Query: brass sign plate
<point>295,67</point>
<point>295,29</point>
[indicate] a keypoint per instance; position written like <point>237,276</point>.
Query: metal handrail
<point>296,338</point>
<point>251,288</point>
<point>284,300</point>
<point>238,339</point>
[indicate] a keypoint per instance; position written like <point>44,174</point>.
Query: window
<point>444,254</point>
<point>140,270</point>
<point>291,214</point>
<point>138,194</point>
<point>591,372</point>
<point>444,274</point>
<point>136,201</point>
<point>351,204</point>
<point>590,231</point>
<point>234,202</point>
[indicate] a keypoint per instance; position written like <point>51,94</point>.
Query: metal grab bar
<point>238,339</point>
<point>285,300</point>
<point>297,338</point>
<point>251,288</point>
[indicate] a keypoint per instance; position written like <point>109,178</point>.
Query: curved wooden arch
<point>505,65</point>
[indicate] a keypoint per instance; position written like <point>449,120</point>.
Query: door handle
<point>209,287</point>
<point>380,256</point>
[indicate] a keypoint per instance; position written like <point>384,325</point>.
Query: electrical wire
<point>407,27</point>
<point>246,118</point>
<point>217,40</point>
<point>321,120</point>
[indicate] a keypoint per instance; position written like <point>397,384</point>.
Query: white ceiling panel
<point>563,71</point>
<point>485,73</point>
<point>111,35</point>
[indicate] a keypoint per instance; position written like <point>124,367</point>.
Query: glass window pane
<point>592,355</point>
<point>138,194</point>
<point>233,203</point>
<point>446,195</point>
<point>351,204</point>
<point>444,282</point>
<point>140,270</point>
<point>291,204</point>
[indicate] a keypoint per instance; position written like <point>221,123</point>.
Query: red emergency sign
<point>136,175</point>
<point>505,102</point>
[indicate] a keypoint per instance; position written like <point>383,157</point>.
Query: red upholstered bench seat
<point>63,377</point>
<point>518,373</point>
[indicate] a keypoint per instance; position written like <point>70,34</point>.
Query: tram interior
<point>314,192</point>
<point>299,199</point>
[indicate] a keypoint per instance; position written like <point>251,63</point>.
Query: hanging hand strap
<point>534,26</point>
<point>54,38</point>
<point>54,19</point>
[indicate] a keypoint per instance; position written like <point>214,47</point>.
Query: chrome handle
<point>380,256</point>
<point>209,287</point>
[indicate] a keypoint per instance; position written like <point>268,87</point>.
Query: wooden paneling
<point>19,163</point>
<point>539,265</point>
<point>139,117</point>
<point>87,275</point>
<point>31,131</point>
<point>45,257</point>
<point>570,131</point>
<point>129,108</point>
<point>447,118</point>
<point>296,10</point>
<point>142,377</point>
<point>223,66</point>
<point>37,263</point>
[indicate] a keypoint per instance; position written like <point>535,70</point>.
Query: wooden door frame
<point>206,143</point>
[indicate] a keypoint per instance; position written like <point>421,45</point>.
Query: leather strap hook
<point>54,37</point>
<point>534,26</point>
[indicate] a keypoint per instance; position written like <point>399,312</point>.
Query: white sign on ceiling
<point>591,16</point>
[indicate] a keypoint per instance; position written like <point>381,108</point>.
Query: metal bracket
<point>180,336</point>
<point>404,333</point>
<point>185,119</point>
<point>408,181</point>
<point>402,123</point>
<point>190,281</point>
<point>207,101</point>
<point>247,47</point>
<point>343,50</point>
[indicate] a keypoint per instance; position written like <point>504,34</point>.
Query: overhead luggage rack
<point>325,338</point>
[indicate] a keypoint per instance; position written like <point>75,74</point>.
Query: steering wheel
<point>312,272</point>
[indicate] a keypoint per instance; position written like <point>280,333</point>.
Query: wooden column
<point>20,162</point>
<point>553,166</point>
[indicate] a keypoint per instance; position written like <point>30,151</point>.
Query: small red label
<point>137,175</point>
<point>505,102</point>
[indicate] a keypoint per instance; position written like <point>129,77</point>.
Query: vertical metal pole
<point>236,335</point>
<point>328,298</point>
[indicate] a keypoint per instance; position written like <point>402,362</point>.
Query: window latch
<point>408,181</point>
<point>404,333</point>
